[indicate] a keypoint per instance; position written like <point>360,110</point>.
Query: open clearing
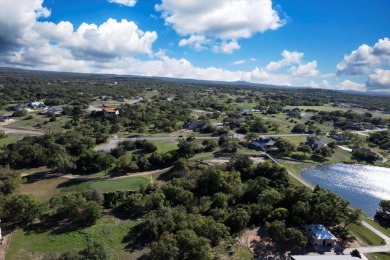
<point>130,183</point>
<point>43,243</point>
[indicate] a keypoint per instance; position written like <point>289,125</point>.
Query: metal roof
<point>320,232</point>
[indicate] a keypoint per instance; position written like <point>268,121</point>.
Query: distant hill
<point>180,80</point>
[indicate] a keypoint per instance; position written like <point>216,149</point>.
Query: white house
<point>320,236</point>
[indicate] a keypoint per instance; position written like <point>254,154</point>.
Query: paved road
<point>20,131</point>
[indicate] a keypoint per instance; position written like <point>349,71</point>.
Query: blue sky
<point>329,44</point>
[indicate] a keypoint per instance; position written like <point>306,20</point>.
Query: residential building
<point>341,137</point>
<point>19,107</point>
<point>316,143</point>
<point>264,143</point>
<point>36,104</point>
<point>53,111</point>
<point>196,126</point>
<point>110,111</point>
<point>320,235</point>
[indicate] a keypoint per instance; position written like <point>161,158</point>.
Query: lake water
<point>364,186</point>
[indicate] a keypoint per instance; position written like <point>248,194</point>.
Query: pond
<point>363,185</point>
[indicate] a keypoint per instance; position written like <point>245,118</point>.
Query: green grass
<point>10,139</point>
<point>165,146</point>
<point>131,183</point>
<point>366,235</point>
<point>375,224</point>
<point>378,256</point>
<point>36,245</point>
<point>40,122</point>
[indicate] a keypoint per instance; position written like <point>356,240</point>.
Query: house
<point>264,143</point>
<point>250,110</point>
<point>341,137</point>
<point>316,143</point>
<point>240,99</point>
<point>235,122</point>
<point>53,111</point>
<point>121,98</point>
<point>36,104</point>
<point>196,126</point>
<point>295,112</point>
<point>4,119</point>
<point>110,111</point>
<point>320,235</point>
<point>137,98</point>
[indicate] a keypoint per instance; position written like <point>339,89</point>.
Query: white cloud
<point>129,3</point>
<point>197,42</point>
<point>238,62</point>
<point>220,19</point>
<point>226,47</point>
<point>288,58</point>
<point>23,35</point>
<point>17,20</point>
<point>380,80</point>
<point>305,70</point>
<point>365,58</point>
<point>253,59</point>
<point>350,85</point>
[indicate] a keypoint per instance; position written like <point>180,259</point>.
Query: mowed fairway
<point>130,183</point>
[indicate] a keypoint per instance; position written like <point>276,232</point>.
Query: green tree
<point>9,180</point>
<point>21,208</point>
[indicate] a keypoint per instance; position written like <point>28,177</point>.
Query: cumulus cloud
<point>365,58</point>
<point>305,70</point>
<point>17,20</point>
<point>27,37</point>
<point>288,58</point>
<point>380,80</point>
<point>220,19</point>
<point>198,42</point>
<point>350,85</point>
<point>129,3</point>
<point>226,46</point>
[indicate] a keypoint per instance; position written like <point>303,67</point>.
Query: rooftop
<point>320,232</point>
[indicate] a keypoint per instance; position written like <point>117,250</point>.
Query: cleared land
<point>43,244</point>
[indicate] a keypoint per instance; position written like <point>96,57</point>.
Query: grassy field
<point>366,235</point>
<point>378,256</point>
<point>130,183</point>
<point>42,245</point>
<point>11,138</point>
<point>40,122</point>
<point>165,146</point>
<point>375,224</point>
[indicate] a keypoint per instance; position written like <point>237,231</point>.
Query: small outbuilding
<point>320,236</point>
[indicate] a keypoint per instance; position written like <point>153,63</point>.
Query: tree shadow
<point>40,176</point>
<point>383,222</point>
<point>72,182</point>
<point>134,240</point>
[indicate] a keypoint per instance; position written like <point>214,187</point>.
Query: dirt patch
<point>7,122</point>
